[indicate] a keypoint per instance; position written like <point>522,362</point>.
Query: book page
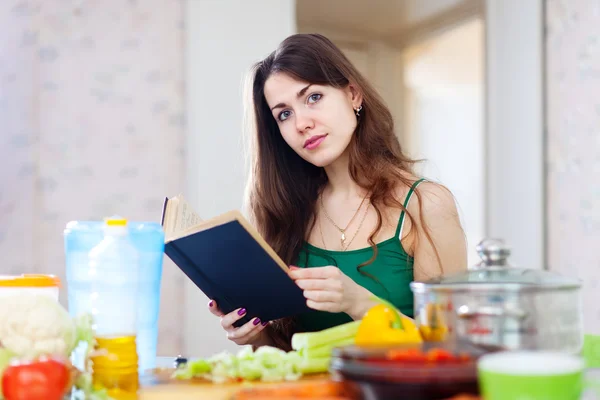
<point>185,216</point>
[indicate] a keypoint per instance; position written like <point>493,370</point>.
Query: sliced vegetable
<point>196,368</point>
<point>331,335</point>
<point>267,364</point>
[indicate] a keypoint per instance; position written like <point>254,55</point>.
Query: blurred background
<point>106,107</point>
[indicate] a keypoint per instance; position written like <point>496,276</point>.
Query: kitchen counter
<point>157,387</point>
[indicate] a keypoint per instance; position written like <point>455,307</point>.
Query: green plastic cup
<point>530,375</point>
<point>591,351</point>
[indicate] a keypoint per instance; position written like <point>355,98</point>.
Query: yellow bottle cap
<point>29,280</point>
<point>115,221</point>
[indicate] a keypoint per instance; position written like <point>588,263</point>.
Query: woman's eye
<point>313,98</point>
<point>284,115</point>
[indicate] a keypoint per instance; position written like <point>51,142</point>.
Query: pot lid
<point>494,269</point>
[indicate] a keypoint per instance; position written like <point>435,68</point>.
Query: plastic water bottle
<point>80,237</point>
<point>114,271</point>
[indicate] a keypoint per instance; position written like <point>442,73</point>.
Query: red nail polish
<point>211,303</point>
<point>242,311</point>
<point>265,323</point>
<point>256,321</point>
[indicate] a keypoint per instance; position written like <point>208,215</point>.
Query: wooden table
<point>188,391</point>
<point>197,391</point>
<point>158,386</point>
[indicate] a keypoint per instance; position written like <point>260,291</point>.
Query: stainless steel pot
<point>498,305</point>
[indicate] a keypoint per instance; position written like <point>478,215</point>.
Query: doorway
<point>426,58</point>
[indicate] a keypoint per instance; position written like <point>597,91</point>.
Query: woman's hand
<point>329,289</point>
<point>250,333</point>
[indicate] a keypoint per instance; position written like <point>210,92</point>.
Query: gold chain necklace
<point>355,233</point>
<point>342,231</point>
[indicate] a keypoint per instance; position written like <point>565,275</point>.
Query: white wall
<point>573,147</point>
<point>515,141</point>
<point>223,38</point>
<point>445,118</point>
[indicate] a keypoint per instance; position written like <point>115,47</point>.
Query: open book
<point>230,262</point>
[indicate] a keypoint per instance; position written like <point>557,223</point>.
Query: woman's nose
<point>304,122</point>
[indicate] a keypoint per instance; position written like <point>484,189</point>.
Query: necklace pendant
<point>343,238</point>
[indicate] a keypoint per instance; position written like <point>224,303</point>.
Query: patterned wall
<point>91,124</point>
<point>573,117</point>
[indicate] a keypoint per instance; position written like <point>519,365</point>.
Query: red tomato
<point>440,355</point>
<point>42,379</point>
<point>409,355</point>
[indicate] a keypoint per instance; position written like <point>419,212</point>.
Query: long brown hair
<point>282,188</point>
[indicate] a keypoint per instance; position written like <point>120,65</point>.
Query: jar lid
<point>495,272</point>
<point>29,280</point>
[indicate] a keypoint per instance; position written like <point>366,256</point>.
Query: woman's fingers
<point>214,309</point>
<point>319,284</point>
<point>246,331</point>
<point>228,320</point>
<point>323,306</point>
<point>315,273</point>
<point>323,296</point>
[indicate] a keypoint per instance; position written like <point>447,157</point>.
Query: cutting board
<point>159,387</point>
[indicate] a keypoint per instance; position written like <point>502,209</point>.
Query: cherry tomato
<point>409,355</point>
<point>41,379</point>
<point>440,355</point>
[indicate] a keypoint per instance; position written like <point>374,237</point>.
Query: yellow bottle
<point>115,367</point>
<point>114,273</point>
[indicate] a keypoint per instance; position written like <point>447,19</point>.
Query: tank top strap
<point>406,201</point>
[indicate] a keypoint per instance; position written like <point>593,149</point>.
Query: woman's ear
<point>355,96</point>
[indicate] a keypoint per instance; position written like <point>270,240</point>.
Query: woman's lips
<point>314,141</point>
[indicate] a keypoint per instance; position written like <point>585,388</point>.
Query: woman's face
<point>316,121</point>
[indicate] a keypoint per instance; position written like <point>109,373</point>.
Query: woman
<point>334,195</point>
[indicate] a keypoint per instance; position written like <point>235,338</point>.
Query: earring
<point>357,110</point>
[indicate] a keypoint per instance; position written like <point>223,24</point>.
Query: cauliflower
<point>36,325</point>
<point>33,326</point>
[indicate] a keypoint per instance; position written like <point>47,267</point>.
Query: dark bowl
<point>375,376</point>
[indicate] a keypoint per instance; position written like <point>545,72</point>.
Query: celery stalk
<point>315,365</point>
<point>305,340</point>
<point>325,350</point>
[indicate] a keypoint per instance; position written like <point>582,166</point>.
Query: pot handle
<point>466,312</point>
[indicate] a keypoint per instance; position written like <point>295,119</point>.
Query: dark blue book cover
<point>231,263</point>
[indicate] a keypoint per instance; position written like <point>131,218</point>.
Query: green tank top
<point>393,270</point>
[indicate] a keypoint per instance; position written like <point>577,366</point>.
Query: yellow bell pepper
<point>383,324</point>
<point>433,328</point>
